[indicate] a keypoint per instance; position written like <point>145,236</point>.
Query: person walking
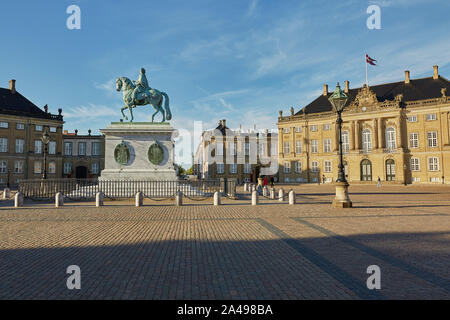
<point>379,182</point>
<point>265,182</point>
<point>272,181</point>
<point>323,179</point>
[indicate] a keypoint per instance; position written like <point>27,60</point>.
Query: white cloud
<point>91,112</point>
<point>252,8</point>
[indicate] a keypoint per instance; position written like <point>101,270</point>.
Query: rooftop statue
<point>139,93</point>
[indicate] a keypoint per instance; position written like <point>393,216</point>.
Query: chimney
<point>435,72</point>
<point>325,89</point>
<point>12,85</point>
<point>224,122</point>
<point>347,86</point>
<point>407,76</point>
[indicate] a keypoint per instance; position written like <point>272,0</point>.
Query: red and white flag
<point>369,60</point>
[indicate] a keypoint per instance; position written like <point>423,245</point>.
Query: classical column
<point>380,133</point>
<point>375,133</point>
<point>400,132</point>
<point>356,135</point>
<point>445,129</point>
<point>352,134</point>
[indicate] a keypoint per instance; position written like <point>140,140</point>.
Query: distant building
<point>397,131</point>
<point>83,155</point>
<point>22,125</point>
<point>225,153</point>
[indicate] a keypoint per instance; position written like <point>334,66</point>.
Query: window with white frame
<point>326,127</point>
<point>298,129</point>
<point>315,166</point>
<point>287,167</point>
<point>246,149</point>
<point>3,124</point>
<point>327,145</point>
<point>286,130</point>
<point>3,144</point>
<point>431,116</point>
<point>433,164</point>
<point>37,167</point>
<point>414,140</point>
<point>298,147</point>
<point>52,147</point>
<point>81,148</point>
<point>286,147</point>
<point>261,148</point>
<point>345,141</point>
<point>38,127</point>
<point>19,145</point>
<point>412,119</point>
<point>95,168</point>
<point>67,167</point>
<point>435,179</point>
<point>233,168</point>
<point>415,164</point>
<point>314,146</point>
<point>298,166</point>
<point>18,166</point>
<point>432,139</point>
<point>219,149</point>
<point>20,126</point>
<point>390,139</point>
<point>52,129</point>
<point>232,147</point>
<point>314,128</point>
<point>37,146</point>
<point>68,148</point>
<point>95,148</point>
<point>220,168</point>
<point>52,167</point>
<point>367,140</point>
<point>327,166</point>
<point>3,166</point>
<point>247,168</point>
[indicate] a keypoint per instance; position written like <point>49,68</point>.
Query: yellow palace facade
<point>398,132</point>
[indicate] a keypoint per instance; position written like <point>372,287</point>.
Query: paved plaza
<point>234,251</point>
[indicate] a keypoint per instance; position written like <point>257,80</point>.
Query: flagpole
<point>367,79</point>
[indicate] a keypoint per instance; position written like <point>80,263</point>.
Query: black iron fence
<point>88,188</point>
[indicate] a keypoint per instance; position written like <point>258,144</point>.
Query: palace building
<point>225,153</point>
<point>22,125</point>
<point>398,132</point>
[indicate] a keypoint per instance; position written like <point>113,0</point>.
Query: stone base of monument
<point>139,151</point>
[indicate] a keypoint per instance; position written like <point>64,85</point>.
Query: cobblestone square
<point>235,251</point>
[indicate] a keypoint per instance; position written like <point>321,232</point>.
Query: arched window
<point>345,142</point>
<point>390,138</point>
<point>366,170</point>
<point>367,140</point>
<point>390,170</point>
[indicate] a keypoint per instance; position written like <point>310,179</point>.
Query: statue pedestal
<point>342,199</point>
<point>139,151</point>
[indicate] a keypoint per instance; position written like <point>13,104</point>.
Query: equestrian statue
<point>139,93</point>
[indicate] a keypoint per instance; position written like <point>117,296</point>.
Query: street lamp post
<point>7,182</point>
<point>45,140</point>
<point>338,99</point>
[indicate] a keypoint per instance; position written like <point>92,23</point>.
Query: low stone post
<point>99,199</point>
<point>265,191</point>
<point>254,198</point>
<point>139,199</point>
<point>291,197</point>
<point>18,200</point>
<point>245,186</point>
<point>179,199</point>
<point>59,200</point>
<point>217,199</point>
<point>6,193</point>
<point>281,195</point>
<point>272,193</point>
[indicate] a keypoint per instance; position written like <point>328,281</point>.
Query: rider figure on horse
<point>141,85</point>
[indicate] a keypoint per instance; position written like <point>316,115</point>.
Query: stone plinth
<point>342,199</point>
<point>139,151</point>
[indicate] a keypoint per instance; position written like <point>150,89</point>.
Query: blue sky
<point>240,60</point>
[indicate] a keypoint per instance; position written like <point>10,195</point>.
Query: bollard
<point>291,197</point>
<point>217,200</point>
<point>179,199</point>
<point>18,200</point>
<point>139,199</point>
<point>6,193</point>
<point>265,191</point>
<point>254,198</point>
<point>281,195</point>
<point>99,199</point>
<point>59,200</point>
<point>245,186</point>
<point>272,193</point>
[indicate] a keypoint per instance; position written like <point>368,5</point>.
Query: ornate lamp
<point>338,99</point>
<point>45,140</point>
